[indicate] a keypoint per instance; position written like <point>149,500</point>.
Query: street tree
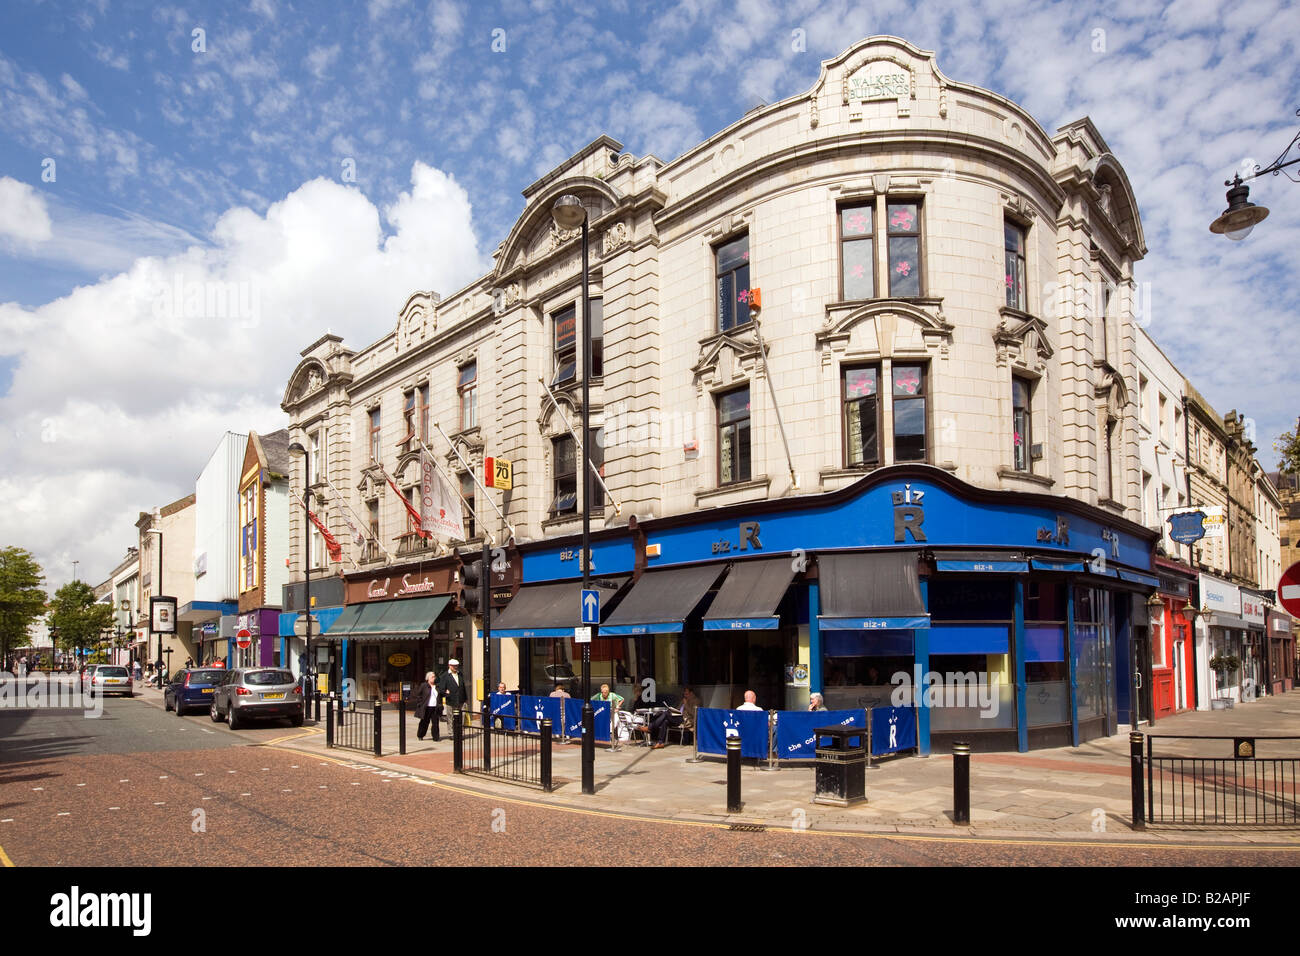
<point>22,597</point>
<point>1288,447</point>
<point>80,621</point>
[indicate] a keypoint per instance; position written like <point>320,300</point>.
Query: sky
<point>319,162</point>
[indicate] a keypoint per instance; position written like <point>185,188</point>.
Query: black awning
<point>661,601</point>
<point>749,596</point>
<point>549,610</point>
<point>870,591</point>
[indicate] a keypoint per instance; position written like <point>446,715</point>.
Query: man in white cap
<point>451,690</point>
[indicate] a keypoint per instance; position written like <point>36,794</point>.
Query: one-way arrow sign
<point>590,607</point>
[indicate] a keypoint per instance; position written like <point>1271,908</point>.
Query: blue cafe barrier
<point>539,708</point>
<point>503,707</point>
<point>573,718</point>
<point>794,730</point>
<point>892,729</point>
<point>713,727</point>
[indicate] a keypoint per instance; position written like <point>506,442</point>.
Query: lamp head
<point>297,450</point>
<point>568,212</point>
<point>1241,216</point>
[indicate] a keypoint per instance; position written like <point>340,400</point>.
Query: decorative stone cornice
<point>1021,339</point>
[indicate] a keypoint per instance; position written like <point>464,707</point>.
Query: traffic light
<point>471,583</point>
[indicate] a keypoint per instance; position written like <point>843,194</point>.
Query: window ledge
<point>1009,312</point>
<point>739,490</point>
<point>1005,472</point>
<point>574,518</point>
<point>1109,503</point>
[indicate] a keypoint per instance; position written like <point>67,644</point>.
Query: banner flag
<point>415,515</point>
<point>892,729</point>
<point>331,543</point>
<point>794,730</point>
<point>713,727</point>
<point>439,505</point>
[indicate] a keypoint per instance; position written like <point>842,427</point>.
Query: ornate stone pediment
<point>418,319</point>
<point>886,327</point>
<point>1021,339</point>
<point>1111,390</point>
<point>726,356</point>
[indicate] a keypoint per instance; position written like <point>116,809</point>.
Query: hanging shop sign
<point>1187,527</point>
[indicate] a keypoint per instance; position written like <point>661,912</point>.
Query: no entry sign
<point>244,638</point>
<point>1288,590</point>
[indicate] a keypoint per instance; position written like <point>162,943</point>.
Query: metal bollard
<point>401,725</point>
<point>961,782</point>
<point>379,729</point>
<point>588,749</point>
<point>544,753</point>
<point>457,743</point>
<point>316,697</point>
<point>1139,801</point>
<point>329,722</point>
<point>487,737</point>
<point>733,775</point>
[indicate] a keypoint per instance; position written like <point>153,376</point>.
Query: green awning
<point>389,620</point>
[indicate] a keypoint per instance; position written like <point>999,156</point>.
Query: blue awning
<point>750,595</point>
<point>1095,567</point>
<point>1057,564</point>
<point>661,601</point>
<point>871,623</point>
<point>324,616</point>
<point>1136,577</point>
<point>550,610</point>
<point>997,566</point>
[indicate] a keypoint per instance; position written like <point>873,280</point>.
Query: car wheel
<point>179,710</point>
<point>232,718</point>
<point>296,720</point>
<point>166,705</point>
<point>214,713</point>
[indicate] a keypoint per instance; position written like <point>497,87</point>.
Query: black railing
<point>520,755</point>
<point>358,729</point>
<point>1239,788</point>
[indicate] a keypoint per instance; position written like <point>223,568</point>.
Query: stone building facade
<point>945,299</point>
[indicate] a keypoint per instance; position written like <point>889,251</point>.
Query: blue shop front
<point>1007,619</point>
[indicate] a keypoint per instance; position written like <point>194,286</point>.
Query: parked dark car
<point>191,687</point>
<point>251,692</point>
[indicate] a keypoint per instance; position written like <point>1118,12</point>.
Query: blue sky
<point>334,158</point>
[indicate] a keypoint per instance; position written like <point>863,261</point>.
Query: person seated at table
<point>751,702</point>
<point>816,702</point>
<point>501,687</point>
<point>661,721</point>
<point>559,691</point>
<point>607,694</point>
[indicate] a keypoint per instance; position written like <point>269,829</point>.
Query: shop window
<point>565,331</point>
<point>467,387</point>
<point>909,413</point>
<point>861,416</point>
<point>1014,262</point>
<point>904,235</point>
<point>733,437</point>
<point>565,500</point>
<point>857,252</point>
<point>731,260</point>
<point>1021,422</point>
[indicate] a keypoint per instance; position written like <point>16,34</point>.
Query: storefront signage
<point>410,584</point>
<point>1252,609</point>
<point>1187,527</point>
<point>1214,522</point>
<point>928,512</point>
<point>748,536</point>
<point>608,556</point>
<point>162,615</point>
<point>498,473</point>
<point>1220,596</point>
<point>399,660</point>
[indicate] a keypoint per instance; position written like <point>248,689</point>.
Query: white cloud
<point>120,388</point>
<point>23,213</point>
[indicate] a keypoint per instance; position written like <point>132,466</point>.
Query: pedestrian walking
<point>451,691</point>
<point>425,701</point>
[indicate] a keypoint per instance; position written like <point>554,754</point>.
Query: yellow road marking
<point>4,858</point>
<point>297,736</point>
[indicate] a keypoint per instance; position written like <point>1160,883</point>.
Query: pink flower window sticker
<point>862,386</point>
<point>1010,280</point>
<point>742,295</point>
<point>909,381</point>
<point>1016,439</point>
<point>901,219</point>
<point>857,223</point>
<point>857,271</point>
<point>904,268</point>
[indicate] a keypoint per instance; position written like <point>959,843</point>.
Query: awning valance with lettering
<point>661,601</point>
<point>389,620</point>
<point>749,596</point>
<point>871,591</point>
<point>980,562</point>
<point>549,610</point>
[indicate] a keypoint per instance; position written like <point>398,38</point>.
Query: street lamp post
<point>569,213</point>
<point>308,672</point>
<point>159,663</point>
<point>1242,216</point>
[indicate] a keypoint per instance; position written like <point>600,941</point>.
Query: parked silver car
<point>251,692</point>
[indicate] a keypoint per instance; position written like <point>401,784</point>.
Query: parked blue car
<point>192,688</point>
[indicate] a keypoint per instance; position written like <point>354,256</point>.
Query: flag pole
<point>362,523</point>
<point>595,472</point>
<point>504,519</point>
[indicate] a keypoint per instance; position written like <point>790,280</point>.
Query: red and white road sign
<point>1288,589</point>
<point>243,638</point>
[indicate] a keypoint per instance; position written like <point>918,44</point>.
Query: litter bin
<point>841,765</point>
